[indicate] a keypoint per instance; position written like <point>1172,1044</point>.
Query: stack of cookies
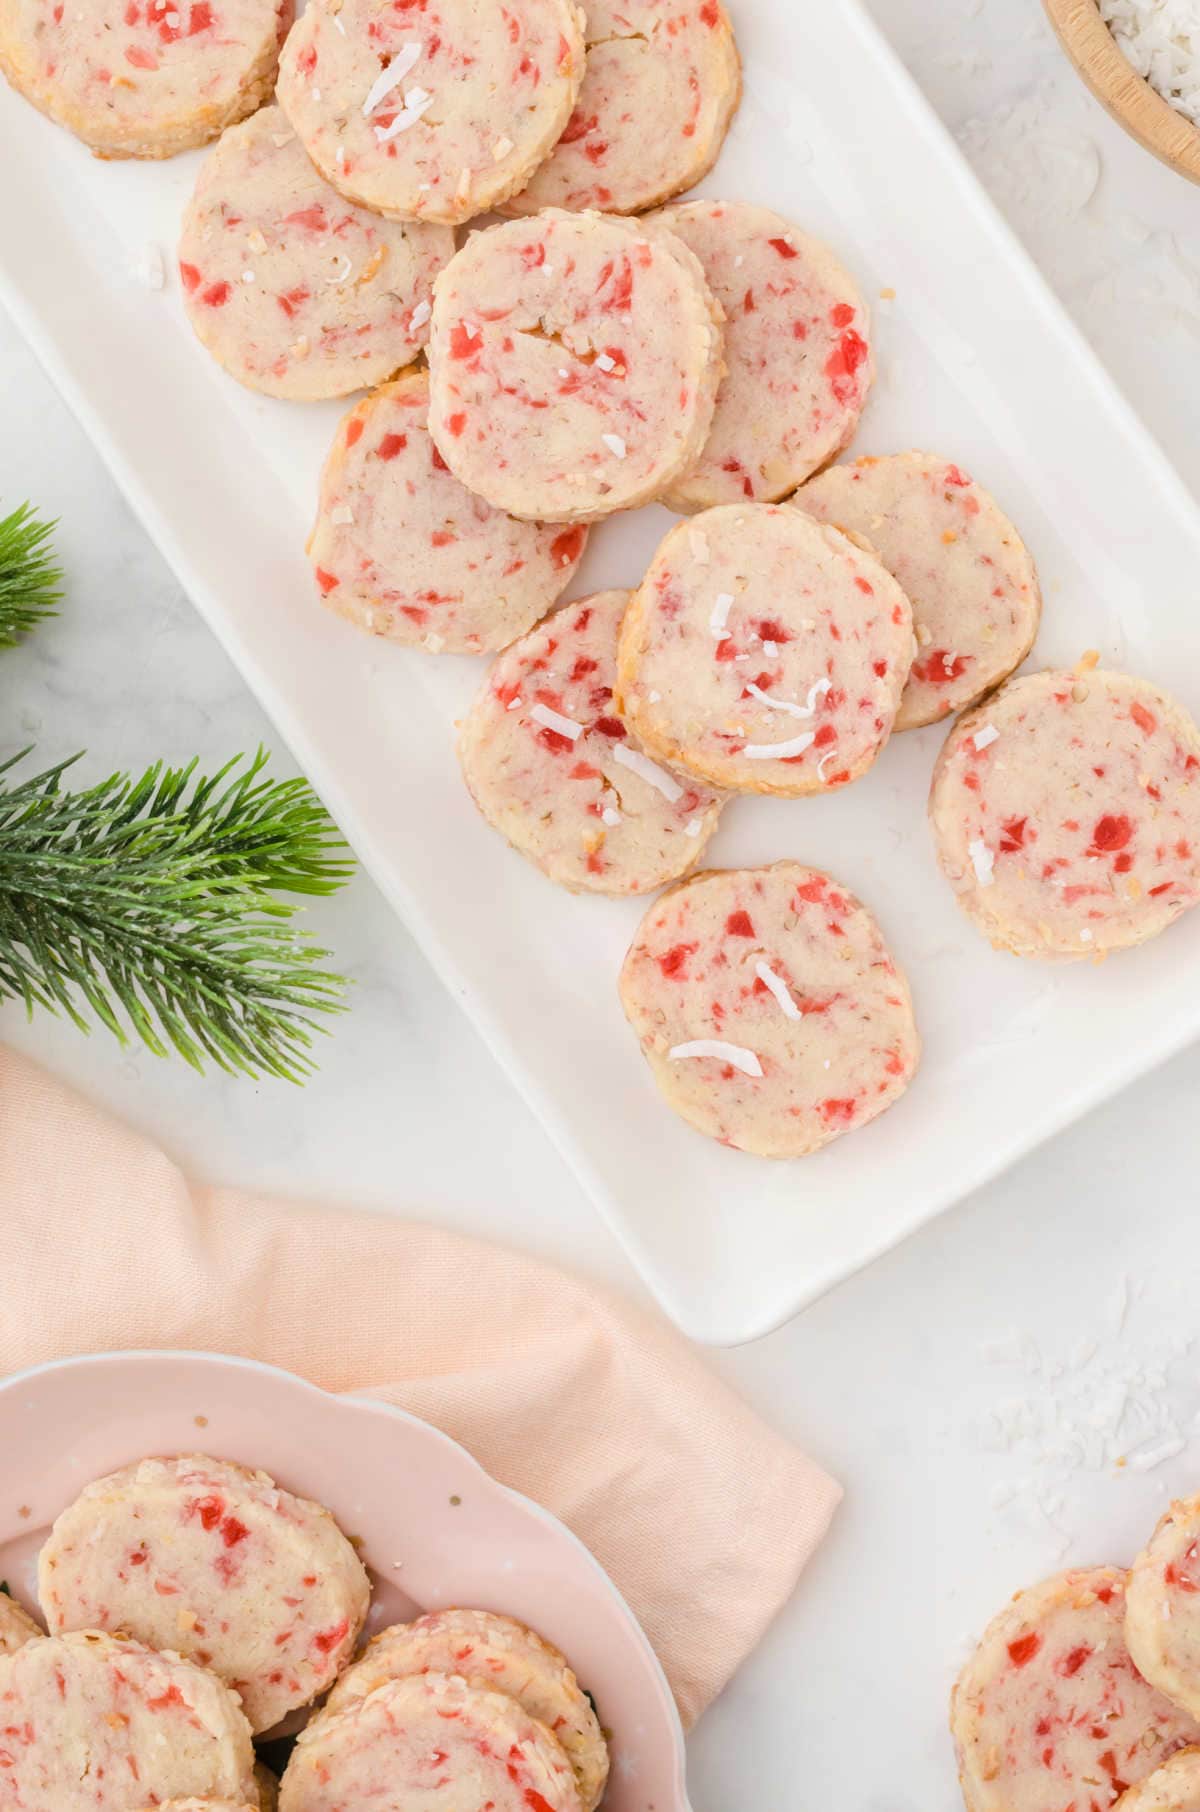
<point>1085,1690</point>
<point>193,1606</point>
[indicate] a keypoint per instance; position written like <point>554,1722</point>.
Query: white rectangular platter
<point>976,361</point>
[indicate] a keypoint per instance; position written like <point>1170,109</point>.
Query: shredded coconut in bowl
<point>1161,38</point>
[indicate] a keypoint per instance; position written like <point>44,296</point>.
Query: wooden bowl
<point>1157,125</point>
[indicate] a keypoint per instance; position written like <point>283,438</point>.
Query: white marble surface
<point>894,1382</point>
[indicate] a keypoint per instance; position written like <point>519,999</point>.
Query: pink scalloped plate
<point>434,1528</point>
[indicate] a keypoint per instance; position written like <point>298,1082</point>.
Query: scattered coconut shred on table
<point>1161,38</point>
<point>1116,1402</point>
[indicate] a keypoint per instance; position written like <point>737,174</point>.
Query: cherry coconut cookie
<point>429,1741</point>
<point>17,1627</point>
<point>500,1655</point>
<point>764,652</point>
<point>769,1008</point>
<point>554,769</point>
<point>1162,1606</point>
<point>215,1561</point>
<point>1175,1787</point>
<point>436,111</point>
<point>574,364</point>
<point>143,78</point>
<point>797,354</point>
<point>293,289</point>
<point>1066,813</point>
<point>661,86</point>
<point>971,579</point>
<point>401,548</point>
<point>1051,1706</point>
<point>101,1719</point>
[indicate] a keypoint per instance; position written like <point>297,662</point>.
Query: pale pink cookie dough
<point>403,550</point>
<point>215,1561</point>
<point>972,581</point>
<point>431,109</point>
<point>17,1627</point>
<point>293,289</point>
<point>574,364</point>
<point>143,78</point>
<point>553,767</point>
<point>1162,1613</point>
<point>501,1655</point>
<point>91,1723</point>
<point>1175,1787</point>
<point>764,652</point>
<point>1051,1707</point>
<point>1066,813</point>
<point>769,1008</point>
<point>661,86</point>
<point>430,1744</point>
<point>797,353</point>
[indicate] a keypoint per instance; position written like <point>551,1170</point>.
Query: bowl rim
<point>362,1399</point>
<point>1097,58</point>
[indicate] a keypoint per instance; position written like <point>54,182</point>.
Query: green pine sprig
<point>154,905</point>
<point>30,579</point>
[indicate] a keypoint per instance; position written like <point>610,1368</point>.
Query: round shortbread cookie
<point>17,1627</point>
<point>797,353</point>
<point>770,1011</point>
<point>292,288</point>
<point>1050,1704</point>
<point>143,78</point>
<point>1066,813</point>
<point>969,576</point>
<point>1162,1608</point>
<point>574,364</point>
<point>426,1743</point>
<point>501,1655</point>
<point>764,652</point>
<point>436,111</point>
<point>1175,1787</point>
<point>100,1716</point>
<point>213,1560</point>
<point>401,548</point>
<point>661,86</point>
<point>554,769</point>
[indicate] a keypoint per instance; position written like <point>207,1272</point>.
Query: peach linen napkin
<point>703,1515</point>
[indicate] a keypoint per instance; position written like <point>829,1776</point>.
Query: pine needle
<point>152,905</point>
<point>30,579</point>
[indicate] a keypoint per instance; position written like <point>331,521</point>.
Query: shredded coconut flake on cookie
<point>779,989</point>
<point>390,76</point>
<point>650,771</point>
<point>779,751</point>
<point>736,1054</point>
<point>416,102</point>
<point>982,861</point>
<point>720,615</point>
<point>554,720</point>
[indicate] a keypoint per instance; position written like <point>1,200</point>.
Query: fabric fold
<point>702,1514</point>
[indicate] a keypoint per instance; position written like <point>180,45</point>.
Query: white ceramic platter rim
<point>975,357</point>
